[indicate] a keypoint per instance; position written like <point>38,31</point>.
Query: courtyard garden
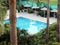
<point>30,30</point>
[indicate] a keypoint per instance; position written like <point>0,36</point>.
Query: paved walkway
<point>34,17</point>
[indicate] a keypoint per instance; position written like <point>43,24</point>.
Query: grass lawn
<point>53,2</point>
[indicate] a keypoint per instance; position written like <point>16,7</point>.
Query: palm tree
<point>58,23</point>
<point>13,31</point>
<point>48,15</point>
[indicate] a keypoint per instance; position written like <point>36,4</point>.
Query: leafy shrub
<point>7,27</point>
<point>54,43</point>
<point>53,27</point>
<point>41,13</point>
<point>30,10</point>
<point>19,7</point>
<point>38,39</point>
<point>52,39</point>
<point>1,29</point>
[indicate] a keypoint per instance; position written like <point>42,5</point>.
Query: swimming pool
<point>32,26</point>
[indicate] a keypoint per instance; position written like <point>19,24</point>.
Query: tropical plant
<point>2,16</point>
<point>30,10</point>
<point>42,14</point>
<point>25,39</point>
<point>5,38</point>
<point>52,38</point>
<point>6,3</point>
<point>1,1</point>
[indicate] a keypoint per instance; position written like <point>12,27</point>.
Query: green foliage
<point>1,1</point>
<point>1,29</point>
<point>2,16</point>
<point>38,39</point>
<point>7,27</point>
<point>6,3</point>
<point>41,35</point>
<point>2,13</point>
<point>5,37</point>
<point>54,43</point>
<point>30,10</point>
<point>53,26</point>
<point>42,14</point>
<point>38,2</point>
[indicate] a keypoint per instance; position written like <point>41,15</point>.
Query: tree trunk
<point>13,31</point>
<point>58,23</point>
<point>48,15</point>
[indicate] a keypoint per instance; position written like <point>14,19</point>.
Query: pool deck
<point>34,17</point>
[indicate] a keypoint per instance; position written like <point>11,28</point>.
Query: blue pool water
<point>32,26</point>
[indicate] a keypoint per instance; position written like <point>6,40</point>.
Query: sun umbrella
<point>44,9</point>
<point>27,5</point>
<point>55,11</point>
<point>35,7</point>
